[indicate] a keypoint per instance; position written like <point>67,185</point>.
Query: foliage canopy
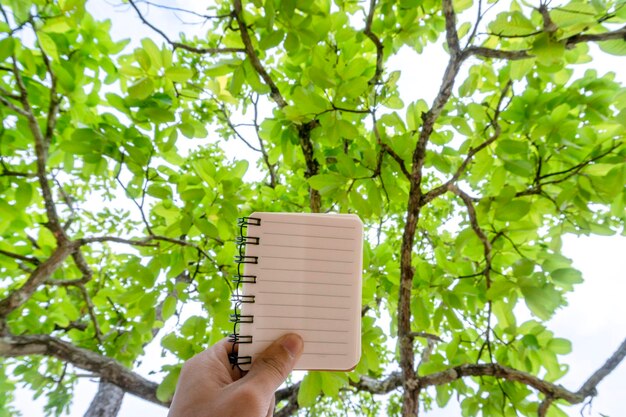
<point>118,203</point>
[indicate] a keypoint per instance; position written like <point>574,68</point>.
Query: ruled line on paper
<point>307,270</point>
<point>309,224</point>
<point>299,235</point>
<point>303,293</point>
<point>302,330</point>
<point>307,282</point>
<point>324,353</point>
<point>295,317</point>
<point>308,342</point>
<point>306,259</point>
<point>307,247</point>
<point>302,305</point>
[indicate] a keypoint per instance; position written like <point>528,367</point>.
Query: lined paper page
<point>308,282</point>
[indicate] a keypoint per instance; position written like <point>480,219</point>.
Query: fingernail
<point>293,343</point>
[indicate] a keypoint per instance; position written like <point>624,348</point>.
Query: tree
<point>116,211</point>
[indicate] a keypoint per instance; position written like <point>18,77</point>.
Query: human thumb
<point>272,366</point>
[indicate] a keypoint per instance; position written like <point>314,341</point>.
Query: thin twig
<point>437,191</point>
<point>179,45</point>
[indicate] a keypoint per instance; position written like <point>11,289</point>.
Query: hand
<point>209,386</point>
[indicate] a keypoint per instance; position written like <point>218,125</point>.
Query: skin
<point>210,387</point>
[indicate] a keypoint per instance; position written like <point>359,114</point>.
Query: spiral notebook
<point>299,273</point>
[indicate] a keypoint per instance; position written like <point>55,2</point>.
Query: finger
<point>270,411</point>
<point>272,366</point>
<point>224,349</point>
<point>215,361</point>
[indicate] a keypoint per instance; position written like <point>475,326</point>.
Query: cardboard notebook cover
<point>300,273</point>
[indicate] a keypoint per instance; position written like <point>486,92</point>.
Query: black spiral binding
<point>238,298</point>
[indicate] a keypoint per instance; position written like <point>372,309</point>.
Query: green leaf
<point>599,170</point>
<point>141,89</point>
<point>58,24</point>
<point>309,102</point>
<point>519,167</point>
<point>444,393</point>
<point>310,388</point>
<point>165,390</point>
<point>547,50</point>
<point>542,301</point>
<point>394,102</point>
<point>48,45</point>
<point>513,210</point>
<point>159,191</point>
<point>226,256</point>
<point>521,67</point>
<point>326,183</point>
<point>240,168</point>
<point>178,74</point>
<point>271,40</point>
<point>169,307</point>
<point>523,268</point>
<point>332,382</point>
<point>7,46</point>
<point>560,346</point>
<point>512,24</point>
<point>157,115</point>
<point>142,58</point>
<point>559,113</point>
<point>566,276</point>
<point>153,52</point>
<point>530,341</point>
<point>513,147</point>
<point>23,195</point>
<point>192,194</point>
<point>574,13</point>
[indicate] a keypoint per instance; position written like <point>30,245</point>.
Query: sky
<point>593,320</point>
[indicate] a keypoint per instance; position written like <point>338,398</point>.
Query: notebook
<point>299,273</point>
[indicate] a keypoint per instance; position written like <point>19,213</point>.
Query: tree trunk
<point>107,401</point>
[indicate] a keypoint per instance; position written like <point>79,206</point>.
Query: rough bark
<point>107,401</point>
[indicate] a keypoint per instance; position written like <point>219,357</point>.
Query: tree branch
<point>435,192</point>
<point>291,395</point>
<point>107,401</point>
<point>254,58</point>
<point>108,369</point>
<point>179,45</point>
<point>10,105</point>
<point>53,108</point>
<point>377,43</point>
<point>537,186</point>
<point>596,37</point>
<point>142,242</point>
<point>178,9</point>
<point>387,149</point>
<point>496,53</point>
<point>270,167</point>
<point>379,386</point>
<point>406,348</point>
<point>526,53</point>
<point>589,387</point>
<point>428,336</point>
<point>41,146</point>
<point>445,91</point>
<point>29,259</point>
<point>19,296</point>
<point>452,37</point>
<point>234,129</point>
<point>554,391</point>
<point>471,211</point>
<point>92,313</point>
